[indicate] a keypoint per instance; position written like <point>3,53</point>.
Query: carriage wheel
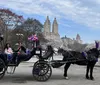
<point>2,68</point>
<point>41,71</point>
<point>35,64</point>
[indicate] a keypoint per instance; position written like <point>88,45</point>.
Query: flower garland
<point>33,38</point>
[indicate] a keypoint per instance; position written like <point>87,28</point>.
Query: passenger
<point>8,50</point>
<point>21,49</point>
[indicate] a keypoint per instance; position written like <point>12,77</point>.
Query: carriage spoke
<point>2,71</point>
<point>44,71</point>
<point>2,68</point>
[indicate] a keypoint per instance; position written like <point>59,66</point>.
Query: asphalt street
<point>23,76</point>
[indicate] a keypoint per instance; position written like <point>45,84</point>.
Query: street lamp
<point>19,36</point>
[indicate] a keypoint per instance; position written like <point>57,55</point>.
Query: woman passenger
<point>8,50</point>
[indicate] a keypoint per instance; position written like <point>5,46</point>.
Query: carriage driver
<point>34,40</point>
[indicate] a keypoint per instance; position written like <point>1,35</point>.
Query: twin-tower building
<point>50,31</point>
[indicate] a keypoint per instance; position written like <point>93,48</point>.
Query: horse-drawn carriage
<point>16,60</point>
<point>42,70</point>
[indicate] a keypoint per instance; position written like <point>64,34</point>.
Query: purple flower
<point>33,38</point>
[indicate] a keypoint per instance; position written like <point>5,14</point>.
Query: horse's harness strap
<point>70,53</point>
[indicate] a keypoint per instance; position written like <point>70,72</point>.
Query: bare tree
<point>11,20</point>
<point>31,26</point>
<point>77,46</point>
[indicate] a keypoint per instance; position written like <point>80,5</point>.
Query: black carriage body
<point>3,57</point>
<point>44,69</point>
<point>18,58</point>
<point>38,52</point>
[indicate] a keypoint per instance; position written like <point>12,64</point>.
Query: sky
<point>73,16</point>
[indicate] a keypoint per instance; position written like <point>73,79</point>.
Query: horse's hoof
<point>66,78</point>
<point>91,78</point>
<point>87,77</point>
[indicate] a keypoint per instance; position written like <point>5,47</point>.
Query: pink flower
<point>33,38</point>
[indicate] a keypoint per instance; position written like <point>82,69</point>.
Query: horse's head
<point>97,49</point>
<point>94,52</point>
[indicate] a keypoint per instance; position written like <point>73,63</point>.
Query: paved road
<point>23,76</point>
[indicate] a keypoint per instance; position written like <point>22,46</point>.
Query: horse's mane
<point>93,49</point>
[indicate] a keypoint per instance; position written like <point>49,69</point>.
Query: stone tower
<point>55,27</point>
<point>78,38</point>
<point>48,34</point>
<point>47,25</point>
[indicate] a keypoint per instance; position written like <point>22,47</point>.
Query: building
<point>78,39</point>
<point>50,32</point>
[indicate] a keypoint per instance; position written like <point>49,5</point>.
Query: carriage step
<point>11,70</point>
<point>12,65</point>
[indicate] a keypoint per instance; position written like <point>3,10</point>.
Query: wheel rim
<point>2,68</point>
<point>42,71</point>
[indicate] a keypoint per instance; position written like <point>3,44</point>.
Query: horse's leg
<point>87,70</point>
<point>91,70</point>
<point>67,65</point>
